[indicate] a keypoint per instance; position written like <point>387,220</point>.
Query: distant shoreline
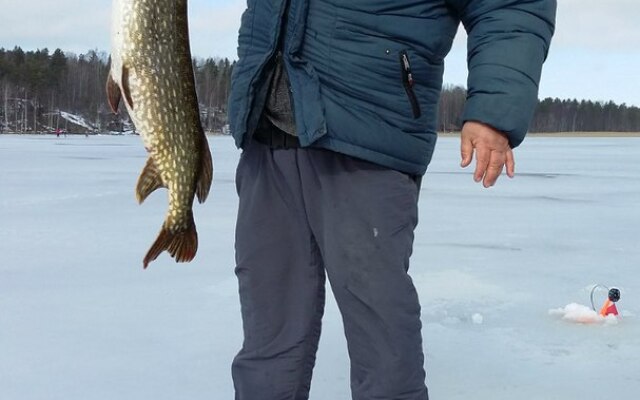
<point>585,134</point>
<point>448,134</point>
<point>567,134</point>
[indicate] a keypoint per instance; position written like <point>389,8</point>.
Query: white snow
<point>80,319</point>
<point>477,318</point>
<point>582,314</point>
<point>76,119</point>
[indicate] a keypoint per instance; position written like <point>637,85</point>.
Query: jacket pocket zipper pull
<point>407,69</point>
<point>408,82</point>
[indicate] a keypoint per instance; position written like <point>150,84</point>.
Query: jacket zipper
<point>407,82</point>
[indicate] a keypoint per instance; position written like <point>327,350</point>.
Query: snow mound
<point>581,314</point>
<point>477,319</point>
<point>76,119</point>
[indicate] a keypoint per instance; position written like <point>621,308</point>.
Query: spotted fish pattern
<point>152,74</point>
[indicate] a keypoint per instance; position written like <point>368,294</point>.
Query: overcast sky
<point>595,54</point>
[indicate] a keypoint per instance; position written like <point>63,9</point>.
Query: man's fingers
<point>466,151</point>
<point>492,152</point>
<point>483,155</point>
<point>494,169</point>
<point>511,164</point>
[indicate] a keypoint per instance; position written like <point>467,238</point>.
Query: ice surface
<point>80,319</point>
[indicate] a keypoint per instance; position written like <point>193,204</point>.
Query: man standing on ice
<point>334,105</point>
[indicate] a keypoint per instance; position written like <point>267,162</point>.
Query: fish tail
<point>182,245</point>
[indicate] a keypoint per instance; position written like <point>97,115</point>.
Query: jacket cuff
<point>507,111</point>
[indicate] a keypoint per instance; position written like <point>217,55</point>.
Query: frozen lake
<point>80,319</point>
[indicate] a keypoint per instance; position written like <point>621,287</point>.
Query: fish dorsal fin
<point>206,172</point>
<point>113,94</point>
<point>125,86</point>
<point>148,181</point>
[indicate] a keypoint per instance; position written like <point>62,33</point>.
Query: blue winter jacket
<point>366,75</point>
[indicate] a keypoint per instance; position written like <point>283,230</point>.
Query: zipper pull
<point>407,68</point>
<point>407,82</point>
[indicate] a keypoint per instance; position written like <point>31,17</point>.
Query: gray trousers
<point>305,213</point>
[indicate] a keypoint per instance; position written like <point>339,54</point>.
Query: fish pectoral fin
<point>125,86</point>
<point>206,172</point>
<point>148,181</point>
<point>113,94</point>
<point>182,245</point>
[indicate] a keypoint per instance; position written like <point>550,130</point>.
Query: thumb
<point>466,151</point>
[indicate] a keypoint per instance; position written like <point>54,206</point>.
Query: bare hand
<point>492,152</point>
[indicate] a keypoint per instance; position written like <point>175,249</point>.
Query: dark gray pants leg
<point>362,218</point>
<point>281,280</point>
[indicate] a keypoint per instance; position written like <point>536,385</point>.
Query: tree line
<point>39,88</point>
<point>551,115</point>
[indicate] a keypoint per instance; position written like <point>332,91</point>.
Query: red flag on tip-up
<point>609,308</point>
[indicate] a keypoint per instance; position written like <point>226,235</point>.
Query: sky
<point>595,53</point>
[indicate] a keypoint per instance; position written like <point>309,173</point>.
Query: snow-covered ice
<point>80,319</point>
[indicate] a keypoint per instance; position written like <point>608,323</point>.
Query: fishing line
<point>612,293</point>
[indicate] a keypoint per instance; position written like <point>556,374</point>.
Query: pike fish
<point>152,74</point>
